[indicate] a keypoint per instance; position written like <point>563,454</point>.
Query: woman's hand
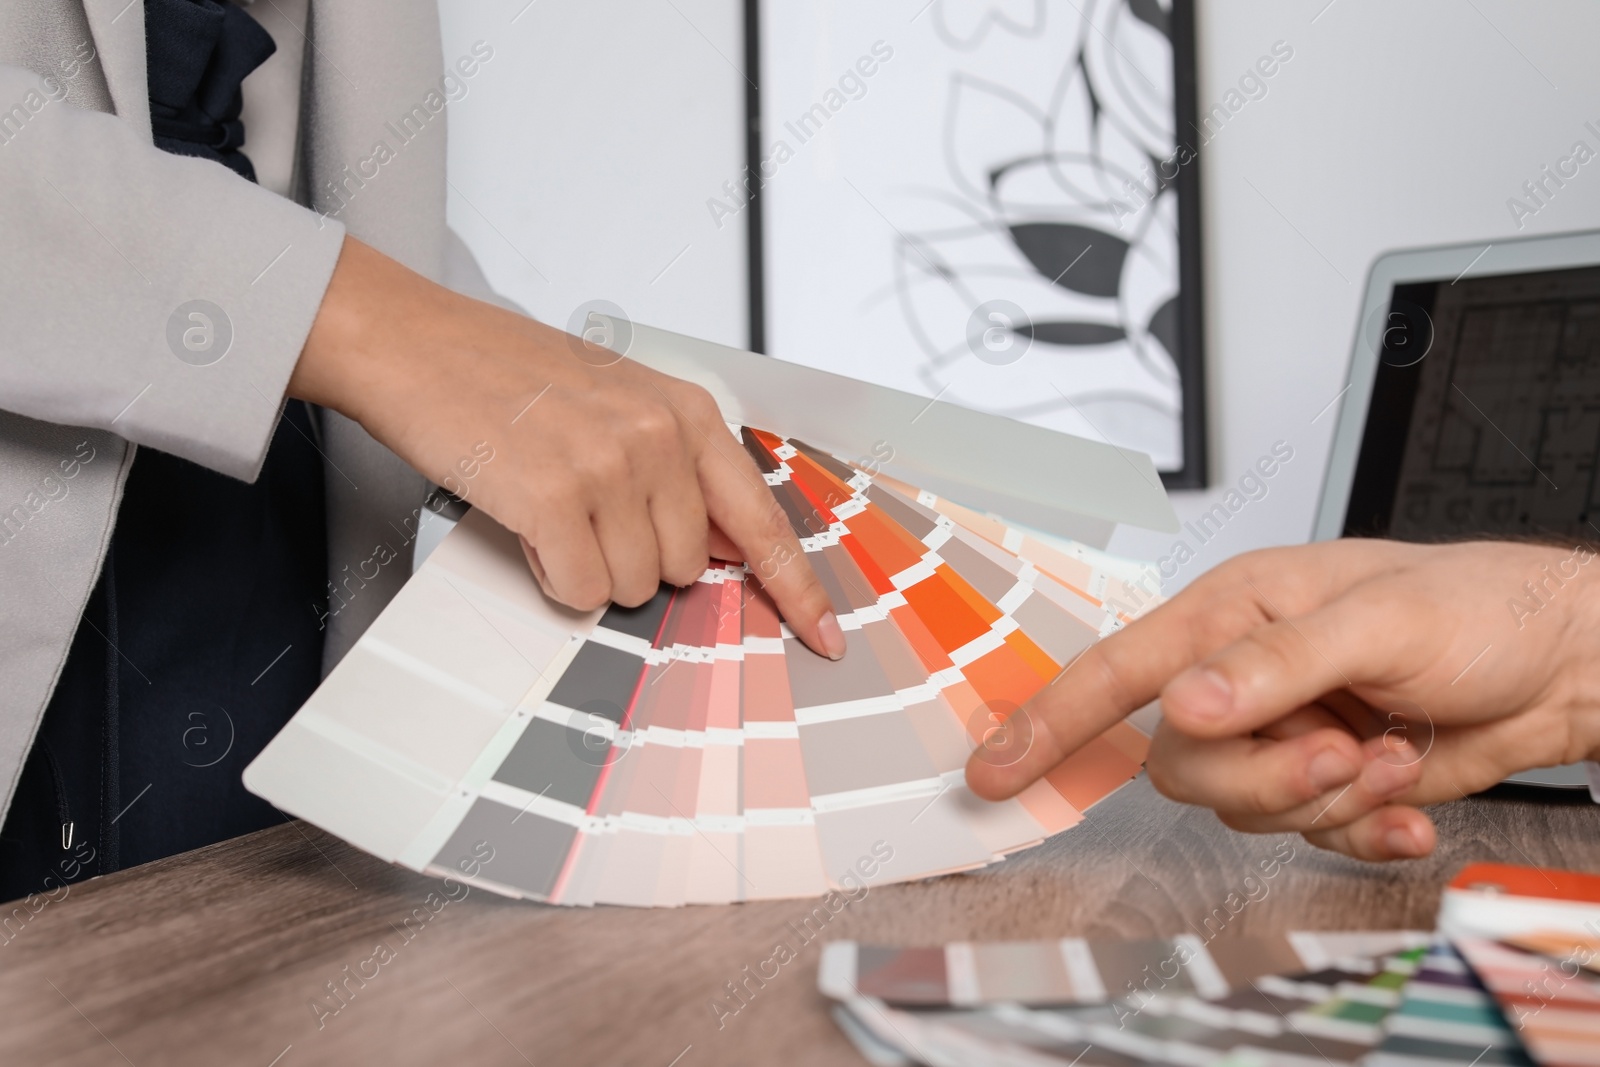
<point>1332,688</point>
<point>616,477</point>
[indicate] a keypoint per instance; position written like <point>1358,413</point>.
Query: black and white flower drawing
<point>1060,203</point>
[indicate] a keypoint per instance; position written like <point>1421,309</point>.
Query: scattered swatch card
<point>1574,951</point>
<point>1077,971</point>
<point>1328,1017</point>
<point>1504,901</point>
<point>692,750</point>
<point>1552,1002</point>
<point>1447,1019</point>
<point>1531,937</point>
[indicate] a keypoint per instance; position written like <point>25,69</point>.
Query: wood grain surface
<point>219,956</point>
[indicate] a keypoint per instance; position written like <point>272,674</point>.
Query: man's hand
<point>616,477</point>
<point>1331,689</point>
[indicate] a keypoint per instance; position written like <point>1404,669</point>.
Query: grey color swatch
<point>1121,963</point>
<point>1062,635</point>
<point>842,471</point>
<point>643,621</point>
<point>559,762</point>
<point>816,680</point>
<point>927,835</point>
<point>838,599</point>
<point>986,576</point>
<point>529,849</point>
<point>895,656</point>
<point>600,679</point>
<point>803,518</point>
<point>857,590</point>
<point>908,513</point>
<point>942,735</point>
<point>863,752</point>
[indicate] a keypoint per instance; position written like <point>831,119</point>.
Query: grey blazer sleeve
<point>162,298</point>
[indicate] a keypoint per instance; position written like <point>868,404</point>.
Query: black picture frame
<point>1190,358</point>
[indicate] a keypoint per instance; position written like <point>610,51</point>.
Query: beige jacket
<point>104,238</point>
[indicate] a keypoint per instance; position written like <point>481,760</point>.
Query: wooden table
<point>218,956</point>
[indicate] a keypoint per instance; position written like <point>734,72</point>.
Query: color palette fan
<point>692,750</point>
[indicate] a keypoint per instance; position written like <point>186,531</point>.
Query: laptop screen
<point>1485,411</point>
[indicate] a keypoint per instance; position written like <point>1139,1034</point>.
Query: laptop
<point>1473,404</point>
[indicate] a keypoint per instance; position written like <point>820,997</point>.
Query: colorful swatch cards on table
<point>1509,980</point>
<point>1330,1017</point>
<point>1551,1001</point>
<point>1077,971</point>
<point>1532,939</point>
<point>692,750</point>
<point>1447,1019</point>
<point>1504,902</point>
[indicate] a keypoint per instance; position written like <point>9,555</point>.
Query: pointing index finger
<point>1110,680</point>
<point>1132,667</point>
<point>1119,675</point>
<point>740,504</point>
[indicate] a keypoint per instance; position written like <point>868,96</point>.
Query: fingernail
<point>1201,693</point>
<point>830,635</point>
<point>1330,768</point>
<point>1395,750</point>
<point>1402,843</point>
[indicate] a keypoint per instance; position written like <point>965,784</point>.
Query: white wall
<point>1394,125</point>
<point>594,137</point>
<point>583,155</point>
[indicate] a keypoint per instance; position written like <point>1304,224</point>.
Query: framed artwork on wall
<point>991,203</point>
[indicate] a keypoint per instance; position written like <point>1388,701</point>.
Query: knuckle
<point>767,517</point>
<point>808,590</point>
<point>653,425</point>
<point>605,462</point>
<point>1267,650</point>
<point>775,545</point>
<point>699,403</point>
<point>561,489</point>
<point>1263,797</point>
<point>1101,663</point>
<point>589,594</point>
<point>1280,573</point>
<point>684,572</point>
<point>1238,571</point>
